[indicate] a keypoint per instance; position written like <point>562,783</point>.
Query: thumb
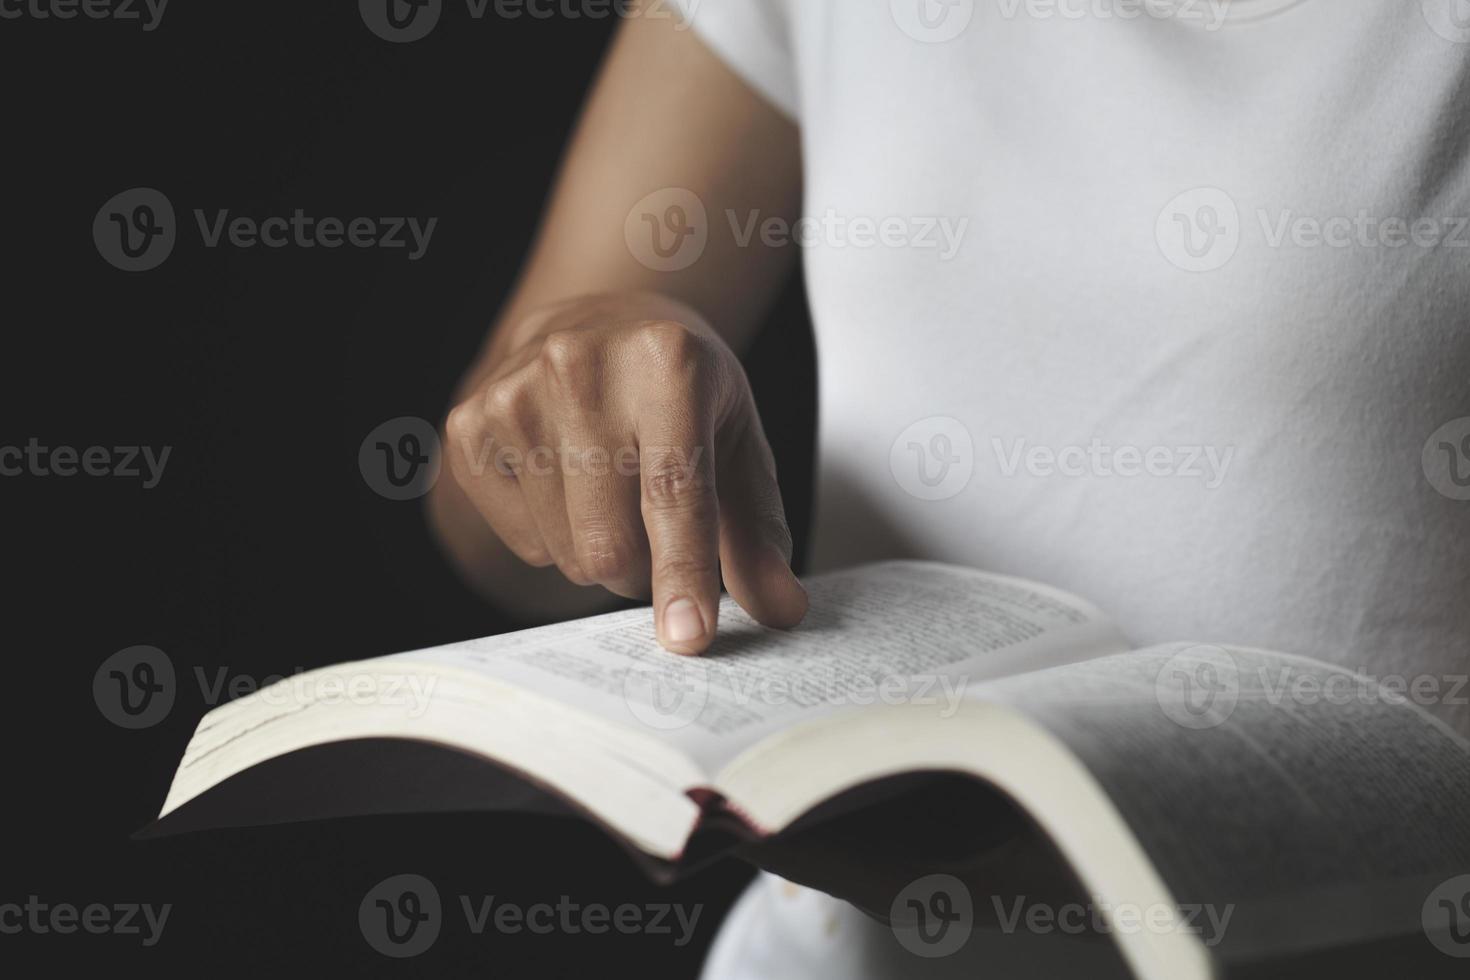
<point>755,542</point>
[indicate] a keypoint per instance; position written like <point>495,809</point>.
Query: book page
<point>893,633</point>
<point>1288,804</point>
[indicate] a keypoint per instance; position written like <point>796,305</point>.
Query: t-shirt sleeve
<point>753,37</point>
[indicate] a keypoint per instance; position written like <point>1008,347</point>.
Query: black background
<point>262,551</point>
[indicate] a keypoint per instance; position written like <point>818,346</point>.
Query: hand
<point>618,440</point>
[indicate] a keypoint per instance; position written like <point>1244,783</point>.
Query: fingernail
<point>682,622</point>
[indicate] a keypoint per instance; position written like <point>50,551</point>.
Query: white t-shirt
<point>1166,303</point>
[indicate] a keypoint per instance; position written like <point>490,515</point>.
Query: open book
<point>1170,780</point>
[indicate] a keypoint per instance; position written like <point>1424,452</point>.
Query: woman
<point>1160,302</point>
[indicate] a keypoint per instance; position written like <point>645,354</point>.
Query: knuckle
<point>463,421</point>
<point>781,539</point>
<point>769,510</point>
<point>671,343</point>
<point>462,427</point>
<point>681,566</point>
<point>604,566</point>
<point>534,555</point>
<point>671,481</point>
<point>567,356</point>
<point>777,531</point>
<point>605,555</point>
<point>574,572</point>
<point>506,400</point>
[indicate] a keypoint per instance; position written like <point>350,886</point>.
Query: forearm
<point>664,113</point>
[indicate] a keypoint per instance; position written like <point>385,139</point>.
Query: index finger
<point>681,515</point>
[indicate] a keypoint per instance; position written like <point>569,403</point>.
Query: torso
<point>1076,317</point>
